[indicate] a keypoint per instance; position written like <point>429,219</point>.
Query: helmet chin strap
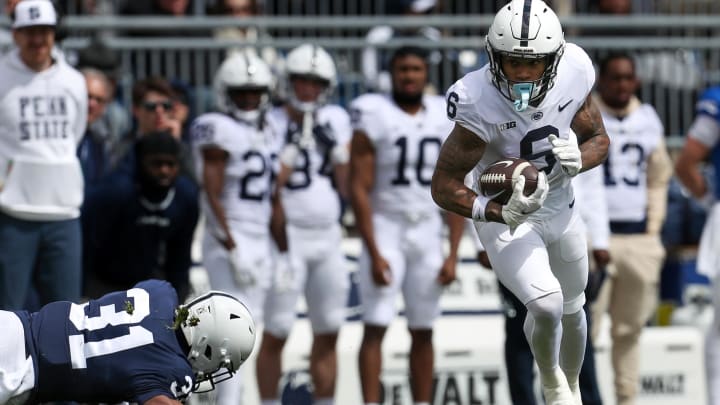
<point>521,95</point>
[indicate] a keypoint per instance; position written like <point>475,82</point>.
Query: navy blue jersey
<point>118,348</point>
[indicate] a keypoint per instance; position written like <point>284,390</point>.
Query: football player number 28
<point>131,313</point>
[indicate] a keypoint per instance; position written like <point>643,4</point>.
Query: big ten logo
<point>43,117</point>
<point>450,387</point>
<point>296,388</point>
<point>662,384</point>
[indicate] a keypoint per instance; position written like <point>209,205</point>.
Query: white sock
<point>270,402</point>
<point>543,331</point>
<point>572,346</point>
<point>323,401</point>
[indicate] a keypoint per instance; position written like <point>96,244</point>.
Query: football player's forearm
<point>277,225</point>
<point>594,151</point>
<point>592,137</point>
<point>219,211</point>
<point>363,219</point>
<point>451,194</point>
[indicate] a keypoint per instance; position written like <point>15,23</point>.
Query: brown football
<point>497,179</point>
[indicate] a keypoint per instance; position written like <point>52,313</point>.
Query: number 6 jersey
<point>120,347</point>
<point>474,103</point>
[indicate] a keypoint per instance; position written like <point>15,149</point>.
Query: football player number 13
<point>80,350</point>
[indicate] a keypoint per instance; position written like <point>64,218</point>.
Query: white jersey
<point>477,105</point>
<point>406,149</point>
<point>309,199</point>
<point>249,172</point>
<point>592,203</point>
<point>633,140</point>
<point>42,119</point>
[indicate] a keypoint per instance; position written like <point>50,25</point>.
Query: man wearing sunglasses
<point>44,109</point>
<point>153,108</point>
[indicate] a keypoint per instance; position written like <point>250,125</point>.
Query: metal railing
<point>675,64</point>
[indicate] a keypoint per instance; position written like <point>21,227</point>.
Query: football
<point>497,179</point>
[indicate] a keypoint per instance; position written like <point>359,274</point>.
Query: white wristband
<point>478,208</point>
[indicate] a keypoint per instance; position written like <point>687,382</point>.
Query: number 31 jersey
<point>406,149</point>
<point>120,347</point>
<point>475,103</point>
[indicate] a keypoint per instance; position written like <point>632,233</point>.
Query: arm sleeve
<point>659,172</point>
<point>82,113</point>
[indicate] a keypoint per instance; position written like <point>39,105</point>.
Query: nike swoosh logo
<point>562,107</point>
<point>495,195</point>
<point>507,163</point>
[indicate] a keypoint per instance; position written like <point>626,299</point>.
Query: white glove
<point>519,206</point>
<point>567,152</point>
<point>707,201</point>
<point>284,279</point>
<point>243,276</point>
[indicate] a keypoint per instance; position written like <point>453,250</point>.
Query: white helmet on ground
<point>243,71</point>
<point>525,29</point>
<point>310,61</point>
<point>220,332</point>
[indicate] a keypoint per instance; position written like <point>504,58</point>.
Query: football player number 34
<point>81,350</point>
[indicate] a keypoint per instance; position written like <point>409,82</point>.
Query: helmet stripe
<point>525,31</point>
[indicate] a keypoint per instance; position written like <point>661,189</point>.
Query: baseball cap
<point>29,13</point>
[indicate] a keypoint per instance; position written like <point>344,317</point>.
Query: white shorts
<point>540,258</point>
<point>321,271</point>
<point>414,251</point>
<point>17,373</point>
<point>254,252</point>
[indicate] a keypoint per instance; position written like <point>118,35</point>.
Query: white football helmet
<point>243,71</point>
<point>313,61</point>
<point>525,29</point>
<point>221,334</point>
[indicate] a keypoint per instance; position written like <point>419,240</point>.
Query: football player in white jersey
<point>637,173</point>
<point>235,152</point>
<point>396,141</point>
<point>316,152</point>
<point>530,101</point>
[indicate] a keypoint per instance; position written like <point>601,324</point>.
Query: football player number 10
<point>131,313</point>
